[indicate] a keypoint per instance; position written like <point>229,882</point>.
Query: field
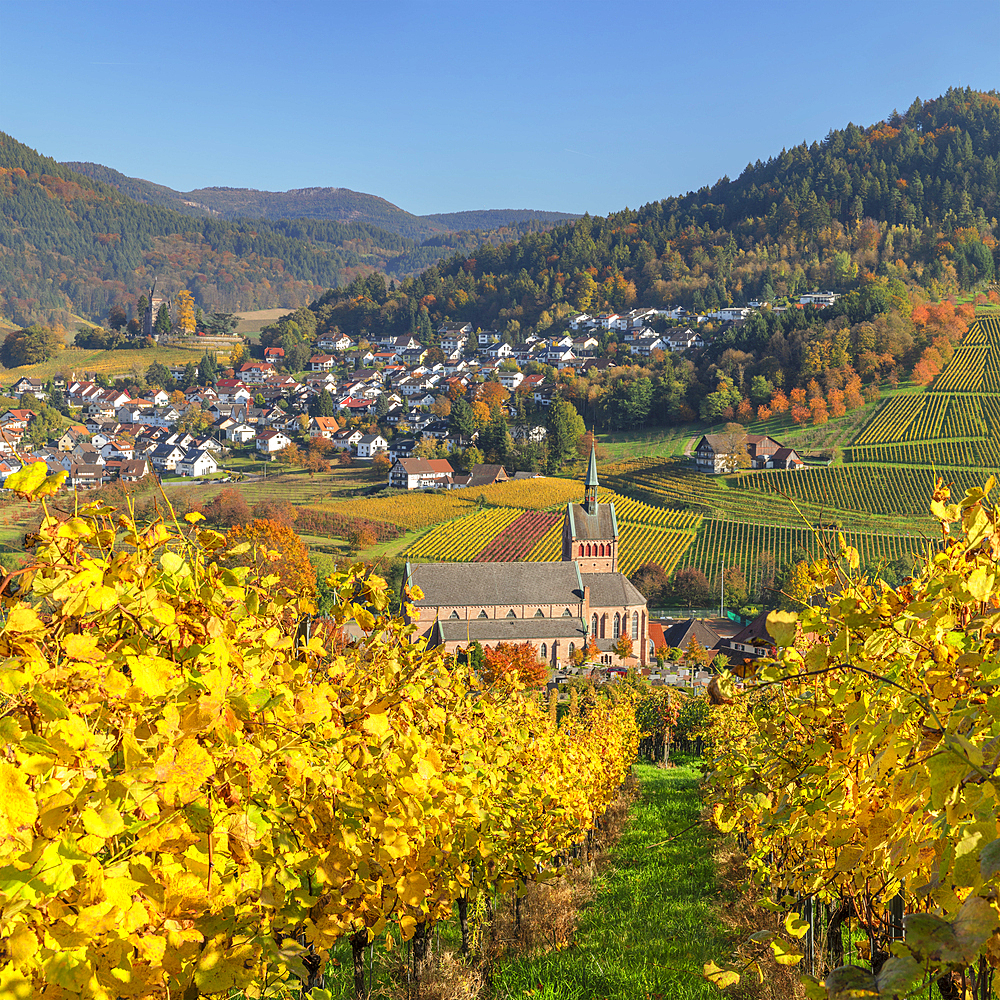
<point>110,363</point>
<point>253,322</point>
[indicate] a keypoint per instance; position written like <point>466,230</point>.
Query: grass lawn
<point>650,927</point>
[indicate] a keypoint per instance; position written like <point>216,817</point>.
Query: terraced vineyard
<point>642,543</point>
<point>900,493</point>
<point>518,538</point>
<point>462,539</point>
<point>742,544</point>
<point>954,424</point>
<point>507,534</point>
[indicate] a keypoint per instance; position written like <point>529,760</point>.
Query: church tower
<point>590,529</point>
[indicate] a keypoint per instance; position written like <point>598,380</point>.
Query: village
<point>353,401</point>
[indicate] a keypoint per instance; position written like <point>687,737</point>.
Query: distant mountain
<point>81,241</point>
<point>328,203</point>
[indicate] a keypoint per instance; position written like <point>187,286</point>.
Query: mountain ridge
<point>340,204</point>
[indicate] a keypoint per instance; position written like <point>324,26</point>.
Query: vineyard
<point>507,534</point>
<point>955,424</point>
<point>215,821</point>
<point>757,548</point>
<point>878,815</point>
<point>417,509</point>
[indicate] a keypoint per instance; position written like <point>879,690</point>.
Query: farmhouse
<point>556,606</point>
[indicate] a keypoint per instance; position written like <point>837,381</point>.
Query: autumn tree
<point>185,311</point>
<point>505,658</point>
<point>291,454</point>
<point>272,549</point>
<point>690,587</point>
<point>733,448</point>
<point>29,346</point>
<point>381,464</point>
<point>623,647</point>
<point>650,580</point>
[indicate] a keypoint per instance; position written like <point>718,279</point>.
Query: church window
<point>483,614</point>
<point>582,547</point>
<point>567,613</point>
<point>572,648</point>
<point>511,613</point>
<point>545,652</point>
<point>539,613</point>
<point>635,625</point>
<point>454,614</point>
<point>604,625</point>
<point>602,549</point>
<point>617,627</point>
<point>593,626</point>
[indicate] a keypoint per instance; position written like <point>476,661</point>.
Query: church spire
<point>590,486</point>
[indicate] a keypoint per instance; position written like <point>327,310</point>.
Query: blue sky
<point>441,106</point>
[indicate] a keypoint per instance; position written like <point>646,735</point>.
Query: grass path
<point>650,927</point>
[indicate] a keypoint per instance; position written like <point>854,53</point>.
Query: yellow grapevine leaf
<point>23,619</point>
<point>413,888</point>
<point>82,647</point>
<point>101,598</point>
<point>377,725</point>
<point>182,770</point>
<point>106,823</point>
<point>796,926</point>
<point>848,859</point>
<point>721,977</point>
<point>19,808</point>
<point>407,926</point>
<point>27,479</point>
<point>785,954</point>
<point>781,626</point>
<point>150,674</point>
<point>22,945</point>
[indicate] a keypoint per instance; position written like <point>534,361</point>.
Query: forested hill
<point>913,200</point>
<point>326,203</point>
<point>71,243</point>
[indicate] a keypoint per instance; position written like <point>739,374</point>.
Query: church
<point>556,606</point>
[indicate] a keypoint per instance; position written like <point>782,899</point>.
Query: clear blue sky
<point>445,106</point>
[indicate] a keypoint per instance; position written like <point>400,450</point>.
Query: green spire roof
<point>592,469</point>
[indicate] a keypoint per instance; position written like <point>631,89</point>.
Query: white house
<point>272,441</point>
<point>197,463</point>
<point>370,445</point>
<point>240,433</point>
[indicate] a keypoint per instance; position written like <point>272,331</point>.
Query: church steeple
<point>590,486</point>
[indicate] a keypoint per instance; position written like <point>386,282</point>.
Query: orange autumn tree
<point>505,658</point>
<point>272,549</point>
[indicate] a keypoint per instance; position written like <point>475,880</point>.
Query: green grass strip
<point>650,927</point>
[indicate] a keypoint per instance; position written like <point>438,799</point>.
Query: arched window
<point>454,614</point>
<point>617,630</point>
<point>545,652</point>
<point>539,613</point>
<point>483,614</point>
<point>602,549</point>
<point>635,625</point>
<point>572,648</point>
<point>582,547</point>
<point>593,626</point>
<point>511,613</point>
<point>652,652</point>
<point>604,625</point>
